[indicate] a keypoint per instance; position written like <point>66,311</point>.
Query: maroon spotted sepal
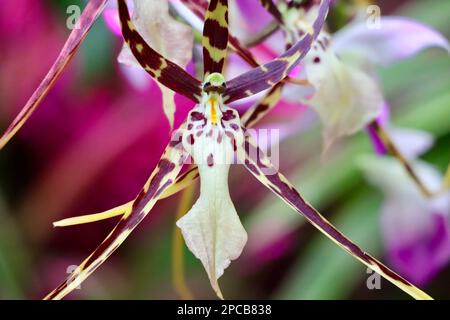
<point>161,69</point>
<point>215,36</point>
<point>263,106</point>
<point>199,7</point>
<point>269,74</point>
<point>260,166</point>
<point>161,179</point>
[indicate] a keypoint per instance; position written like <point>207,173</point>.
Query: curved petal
<point>160,68</point>
<point>276,70</point>
<point>345,98</point>
<point>397,38</point>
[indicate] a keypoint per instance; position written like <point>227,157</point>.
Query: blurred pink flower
<point>416,229</point>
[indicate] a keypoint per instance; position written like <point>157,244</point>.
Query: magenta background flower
<point>422,259</point>
<point>416,229</point>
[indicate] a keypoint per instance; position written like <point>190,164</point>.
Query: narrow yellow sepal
<point>114,212</point>
<point>123,209</point>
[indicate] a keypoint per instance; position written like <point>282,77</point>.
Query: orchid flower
<point>212,135</point>
<point>340,68</point>
<point>416,229</point>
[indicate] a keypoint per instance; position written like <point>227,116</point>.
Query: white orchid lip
<point>212,229</point>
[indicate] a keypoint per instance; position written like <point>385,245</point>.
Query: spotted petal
<point>172,39</point>
<point>262,107</point>
<point>161,179</point>
<point>161,69</point>
<point>199,7</point>
<point>261,167</point>
<point>215,37</point>
<point>84,24</point>
<point>269,74</point>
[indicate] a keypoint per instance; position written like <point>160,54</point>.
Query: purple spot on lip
<point>197,116</point>
<point>210,160</point>
<point>191,139</point>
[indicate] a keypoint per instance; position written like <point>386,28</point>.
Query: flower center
<point>213,132</point>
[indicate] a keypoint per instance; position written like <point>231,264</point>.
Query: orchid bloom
<point>212,135</point>
<point>341,67</point>
<point>416,229</point>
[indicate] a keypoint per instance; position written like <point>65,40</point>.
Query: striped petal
<point>262,107</point>
<point>161,69</point>
<point>199,7</point>
<point>215,37</point>
<point>161,179</point>
<point>269,74</point>
<point>88,17</point>
<point>259,165</point>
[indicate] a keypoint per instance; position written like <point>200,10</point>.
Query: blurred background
<point>95,139</point>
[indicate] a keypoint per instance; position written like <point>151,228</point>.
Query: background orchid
<point>238,201</point>
<point>416,228</point>
<point>347,96</point>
